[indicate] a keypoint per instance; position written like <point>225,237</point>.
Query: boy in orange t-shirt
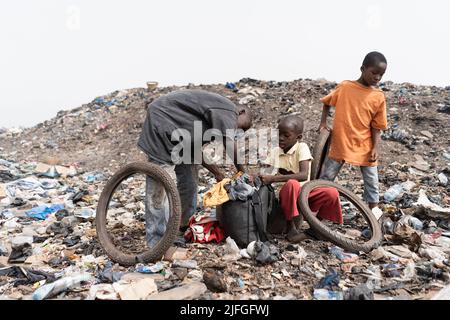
<point>360,115</point>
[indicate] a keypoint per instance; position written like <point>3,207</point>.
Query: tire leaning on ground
<point>151,255</point>
<point>334,236</point>
<point>320,151</point>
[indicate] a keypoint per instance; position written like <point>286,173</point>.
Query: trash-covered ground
<point>51,177</point>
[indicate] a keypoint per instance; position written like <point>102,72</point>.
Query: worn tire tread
<point>334,236</point>
<point>320,151</point>
<point>151,255</point>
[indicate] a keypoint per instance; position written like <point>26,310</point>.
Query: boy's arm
<point>376,137</point>
<point>215,170</point>
<point>302,175</point>
<point>233,152</point>
<point>218,174</point>
<point>323,120</point>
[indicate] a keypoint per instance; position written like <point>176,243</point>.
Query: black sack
<point>246,221</point>
<point>276,221</point>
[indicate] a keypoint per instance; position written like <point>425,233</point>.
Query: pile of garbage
<point>51,177</point>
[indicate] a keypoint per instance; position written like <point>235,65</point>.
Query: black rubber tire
<point>320,151</point>
<point>151,255</point>
<point>334,236</point>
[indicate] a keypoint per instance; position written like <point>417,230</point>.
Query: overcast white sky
<point>59,54</point>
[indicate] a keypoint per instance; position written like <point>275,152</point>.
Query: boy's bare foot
<point>298,220</point>
<point>295,236</point>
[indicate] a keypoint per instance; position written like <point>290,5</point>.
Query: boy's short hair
<point>373,58</point>
<point>242,107</point>
<point>294,122</point>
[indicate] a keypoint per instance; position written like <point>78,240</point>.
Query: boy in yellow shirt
<point>360,116</point>
<point>292,161</point>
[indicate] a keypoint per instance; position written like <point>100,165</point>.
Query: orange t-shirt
<point>358,109</point>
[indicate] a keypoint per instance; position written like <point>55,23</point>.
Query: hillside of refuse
<point>51,176</point>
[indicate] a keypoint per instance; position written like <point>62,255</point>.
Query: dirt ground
<point>101,136</point>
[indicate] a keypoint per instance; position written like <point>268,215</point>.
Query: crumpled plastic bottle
<point>52,289</point>
<point>157,267</point>
<point>393,192</point>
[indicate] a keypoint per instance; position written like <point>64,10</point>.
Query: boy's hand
<point>266,179</point>
<point>252,177</point>
<point>323,126</point>
<point>373,155</point>
<point>219,176</point>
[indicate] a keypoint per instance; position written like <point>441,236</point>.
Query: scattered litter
<point>443,179</point>
<point>431,209</point>
<point>85,213</point>
<point>345,257</point>
<point>360,292</point>
<point>135,290</point>
<point>54,288</point>
<point>266,253</point>
<point>189,264</point>
<point>331,279</point>
<point>214,281</point>
<point>43,211</point>
<point>324,294</point>
<point>150,269</point>
<point>68,159</point>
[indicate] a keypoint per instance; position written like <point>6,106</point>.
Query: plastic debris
<point>189,264</point>
<point>331,279</point>
<point>395,191</point>
<point>232,251</point>
<point>230,85</point>
<point>85,213</point>
<point>266,253</point>
<point>443,179</point>
<point>360,292</point>
<point>157,267</point>
<point>324,294</point>
<point>93,141</point>
<point>54,288</point>
<point>94,177</point>
<point>43,211</point>
<point>431,209</point>
<point>345,257</point>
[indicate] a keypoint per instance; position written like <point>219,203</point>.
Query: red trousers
<point>324,201</point>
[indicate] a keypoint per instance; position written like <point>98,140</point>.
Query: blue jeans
<point>371,194</point>
<point>157,203</point>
